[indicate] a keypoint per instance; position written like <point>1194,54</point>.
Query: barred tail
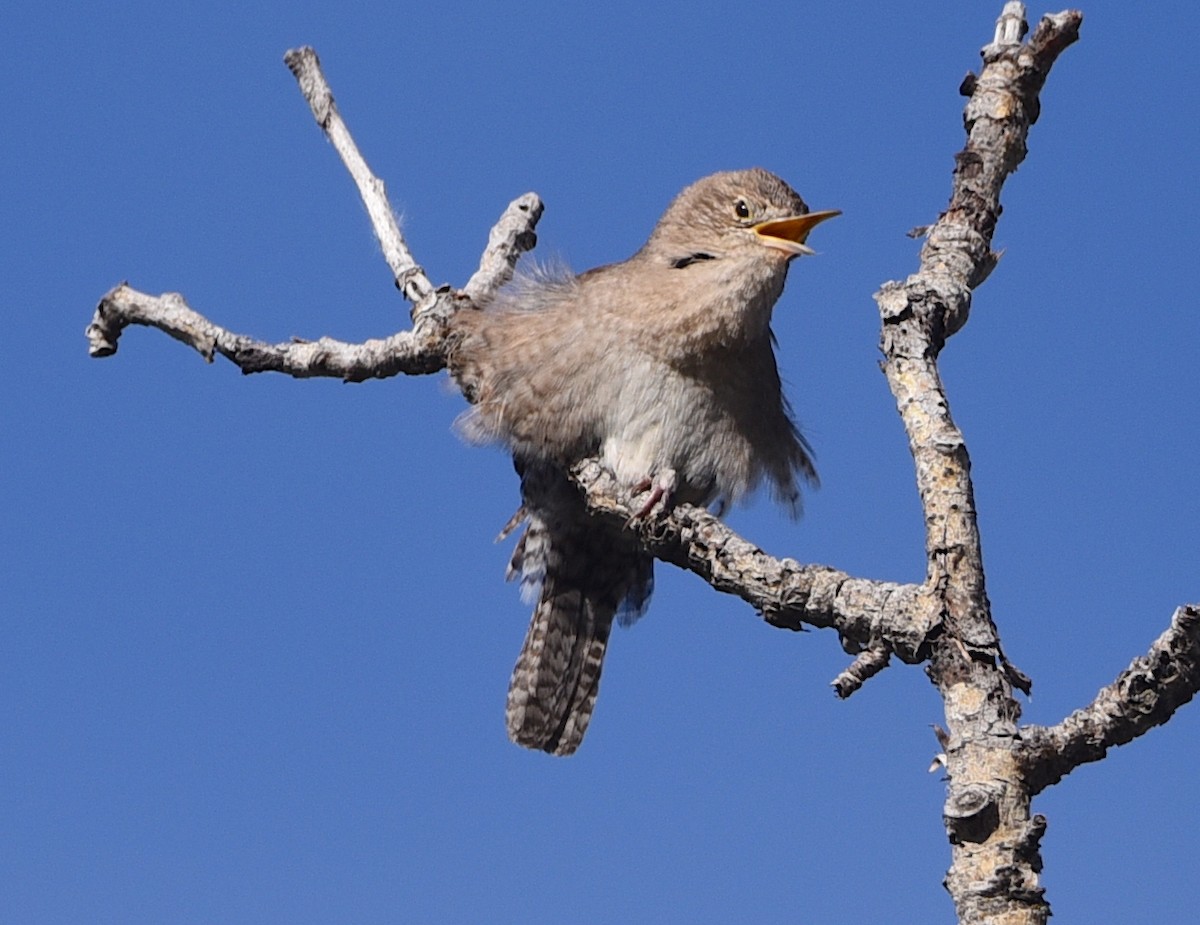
<point>557,676</point>
<point>583,575</point>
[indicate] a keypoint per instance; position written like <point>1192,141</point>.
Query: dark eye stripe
<point>680,262</point>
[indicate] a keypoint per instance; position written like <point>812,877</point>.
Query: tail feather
<point>557,675</point>
<point>584,574</point>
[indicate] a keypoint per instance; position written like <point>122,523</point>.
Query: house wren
<point>663,366</point>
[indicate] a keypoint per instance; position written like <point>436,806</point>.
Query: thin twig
<point>410,277</point>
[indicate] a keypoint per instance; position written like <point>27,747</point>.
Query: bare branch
<point>993,875</point>
<point>929,306</point>
<point>414,352</point>
<point>1144,695</point>
<point>866,614</point>
<point>512,236</point>
<point>410,277</point>
<point>865,666</point>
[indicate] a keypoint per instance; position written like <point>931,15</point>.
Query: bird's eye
<point>741,209</point>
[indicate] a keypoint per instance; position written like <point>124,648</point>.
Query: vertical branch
<point>994,873</point>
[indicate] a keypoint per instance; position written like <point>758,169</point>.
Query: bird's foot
<point>662,490</point>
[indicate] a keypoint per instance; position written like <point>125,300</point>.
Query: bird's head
<point>740,213</point>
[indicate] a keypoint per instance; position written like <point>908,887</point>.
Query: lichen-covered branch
<point>866,614</point>
<point>1144,695</point>
<point>994,872</point>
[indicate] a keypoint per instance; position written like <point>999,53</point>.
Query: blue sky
<point>255,633</point>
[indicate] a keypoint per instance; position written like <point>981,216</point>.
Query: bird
<point>662,366</point>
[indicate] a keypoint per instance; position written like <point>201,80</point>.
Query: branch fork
<point>994,766</point>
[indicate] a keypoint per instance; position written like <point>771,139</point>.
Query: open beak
<point>789,234</point>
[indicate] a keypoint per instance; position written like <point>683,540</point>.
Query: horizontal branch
<point>866,614</point>
<point>413,353</point>
<point>1144,695</point>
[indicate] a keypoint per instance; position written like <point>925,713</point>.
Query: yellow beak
<point>789,234</point>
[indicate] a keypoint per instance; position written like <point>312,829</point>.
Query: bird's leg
<point>662,489</point>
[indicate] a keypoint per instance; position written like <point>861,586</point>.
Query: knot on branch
<point>922,312</point>
<point>972,812</point>
<point>105,328</point>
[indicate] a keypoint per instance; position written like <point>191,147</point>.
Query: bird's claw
<point>662,491</point>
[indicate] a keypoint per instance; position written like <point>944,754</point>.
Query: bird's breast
<point>665,419</point>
